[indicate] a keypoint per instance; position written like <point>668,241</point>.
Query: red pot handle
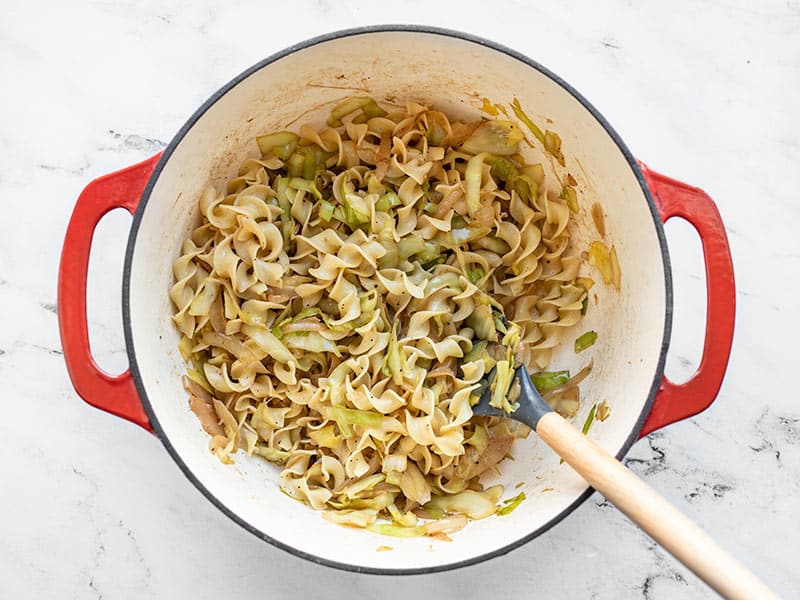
<point>114,394</point>
<point>680,401</point>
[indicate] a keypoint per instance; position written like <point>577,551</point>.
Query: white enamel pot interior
<point>453,73</point>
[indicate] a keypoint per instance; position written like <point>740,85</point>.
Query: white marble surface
<point>93,507</point>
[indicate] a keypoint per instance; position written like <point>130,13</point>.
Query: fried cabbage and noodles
<point>345,296</point>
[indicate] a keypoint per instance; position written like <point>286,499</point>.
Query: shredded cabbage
<point>343,299</point>
<point>511,504</point>
<point>606,262</point>
<point>547,380</point>
<point>281,143</point>
<point>472,504</point>
<point>368,107</point>
<point>585,341</point>
<point>500,386</point>
<point>495,137</point>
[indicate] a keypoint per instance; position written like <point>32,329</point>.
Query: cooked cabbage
<point>344,298</point>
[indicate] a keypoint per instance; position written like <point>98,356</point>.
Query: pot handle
<point>675,402</point>
<point>115,394</point>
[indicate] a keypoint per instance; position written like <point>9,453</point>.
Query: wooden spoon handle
<point>651,511</point>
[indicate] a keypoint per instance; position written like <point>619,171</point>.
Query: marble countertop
<point>92,507</point>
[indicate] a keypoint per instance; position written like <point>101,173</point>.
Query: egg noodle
<point>345,296</point>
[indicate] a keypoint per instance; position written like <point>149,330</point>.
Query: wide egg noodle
<point>344,296</point>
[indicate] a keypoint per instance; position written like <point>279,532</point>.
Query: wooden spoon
<point>643,505</point>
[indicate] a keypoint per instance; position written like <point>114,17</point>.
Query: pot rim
<point>167,153</point>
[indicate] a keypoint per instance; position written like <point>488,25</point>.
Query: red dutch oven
<point>453,72</point>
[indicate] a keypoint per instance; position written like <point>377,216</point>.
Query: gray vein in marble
<point>133,141</point>
<point>700,482</point>
<point>53,351</point>
<point>765,428</point>
<point>89,502</point>
<point>603,503</point>
<point>49,307</point>
<point>667,569</point>
<point>656,463</point>
<point>717,490</point>
<point>44,348</point>
<point>76,171</point>
<point>790,428</point>
<point>647,585</point>
<point>701,428</point>
<point>129,533</point>
<point>101,535</point>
